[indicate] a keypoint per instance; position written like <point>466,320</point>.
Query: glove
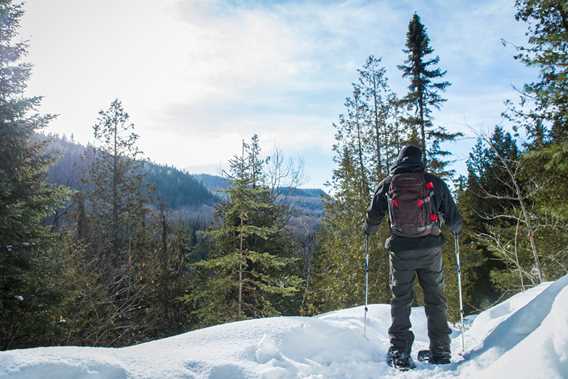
<point>369,229</point>
<point>456,231</point>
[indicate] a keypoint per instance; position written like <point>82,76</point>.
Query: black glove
<point>369,229</point>
<point>456,231</point>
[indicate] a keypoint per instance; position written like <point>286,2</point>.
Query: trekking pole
<point>366,284</point>
<point>458,271</point>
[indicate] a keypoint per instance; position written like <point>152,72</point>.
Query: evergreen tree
<point>119,235</point>
<point>522,243</point>
<point>383,131</point>
<point>542,110</point>
<point>25,197</point>
<point>424,97</point>
<point>355,123</point>
<point>338,268</point>
<point>482,210</point>
<point>368,139</point>
<point>246,273</point>
<point>117,197</point>
<point>544,103</point>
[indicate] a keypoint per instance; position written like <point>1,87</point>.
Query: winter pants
<point>427,265</point>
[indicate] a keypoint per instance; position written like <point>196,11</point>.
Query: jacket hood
<point>409,160</point>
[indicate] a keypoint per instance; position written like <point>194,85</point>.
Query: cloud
<point>197,76</point>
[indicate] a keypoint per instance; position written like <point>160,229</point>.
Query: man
<point>417,203</point>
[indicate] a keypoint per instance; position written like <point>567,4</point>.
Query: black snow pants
<point>427,265</point>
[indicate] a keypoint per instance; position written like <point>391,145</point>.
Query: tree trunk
<point>364,186</point>
<point>241,246</point>
<point>377,132</point>
<point>517,256</point>
<point>115,194</point>
<point>422,127</point>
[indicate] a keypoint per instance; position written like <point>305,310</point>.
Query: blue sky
<point>198,76</point>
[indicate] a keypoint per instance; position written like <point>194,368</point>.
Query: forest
<point>93,249</point>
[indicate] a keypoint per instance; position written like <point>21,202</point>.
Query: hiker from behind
<point>417,203</point>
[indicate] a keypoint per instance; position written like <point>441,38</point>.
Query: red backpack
<point>411,210</point>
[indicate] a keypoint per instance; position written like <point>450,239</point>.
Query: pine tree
<point>246,274</point>
<point>119,232</point>
<point>521,244</point>
<point>542,113</point>
<point>355,122</point>
<point>542,110</point>
<point>368,139</point>
<point>338,271</point>
<point>424,97</point>
<point>117,196</point>
<point>382,107</point>
<point>547,50</point>
<point>25,197</point>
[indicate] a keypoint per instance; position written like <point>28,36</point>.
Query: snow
<point>526,336</point>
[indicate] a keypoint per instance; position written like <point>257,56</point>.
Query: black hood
<point>409,160</point>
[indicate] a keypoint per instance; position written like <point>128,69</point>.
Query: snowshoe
<point>400,360</point>
<point>438,358</point>
<point>424,356</point>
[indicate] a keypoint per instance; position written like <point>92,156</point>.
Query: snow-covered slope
<point>523,337</point>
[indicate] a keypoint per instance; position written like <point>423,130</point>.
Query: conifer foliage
<point>116,195</point>
<point>25,197</point>
<point>248,272</point>
<point>368,139</point>
<point>424,96</point>
<point>111,265</point>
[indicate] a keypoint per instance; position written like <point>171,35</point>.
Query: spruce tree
<point>246,274</point>
<point>424,96</point>
<point>25,197</point>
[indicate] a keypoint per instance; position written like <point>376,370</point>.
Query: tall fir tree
<point>247,273</point>
<point>25,197</point>
<point>424,96</point>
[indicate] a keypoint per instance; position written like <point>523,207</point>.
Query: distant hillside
<point>188,196</point>
<point>306,204</point>
<point>215,184</point>
<point>310,200</point>
<point>177,189</point>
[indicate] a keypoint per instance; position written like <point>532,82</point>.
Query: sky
<point>199,76</point>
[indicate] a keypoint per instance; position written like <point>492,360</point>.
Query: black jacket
<point>443,203</point>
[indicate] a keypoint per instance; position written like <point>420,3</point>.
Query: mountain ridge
<point>188,195</point>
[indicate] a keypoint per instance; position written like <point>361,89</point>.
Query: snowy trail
<point>533,324</point>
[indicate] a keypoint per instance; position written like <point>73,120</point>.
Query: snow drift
<point>523,337</point>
